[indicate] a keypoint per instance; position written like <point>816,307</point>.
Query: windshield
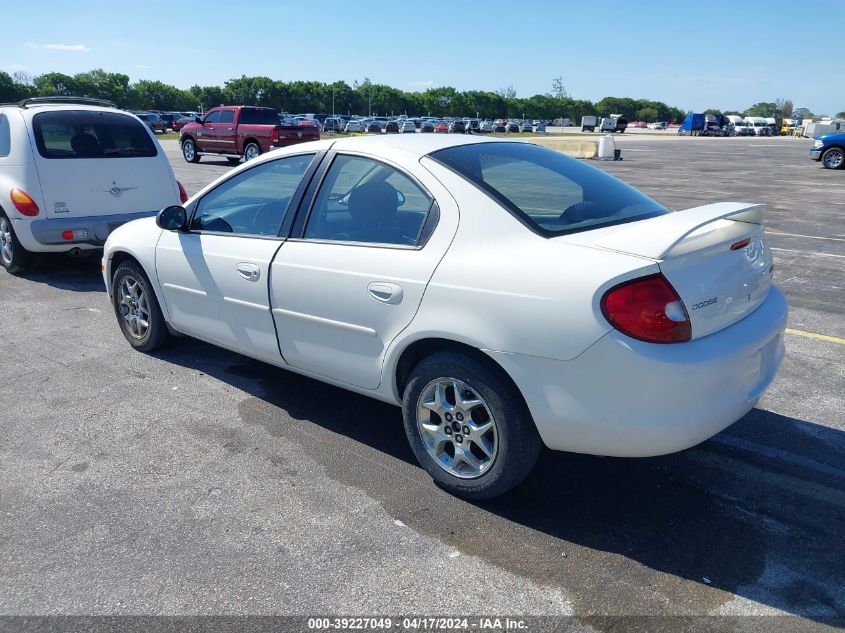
<point>548,191</point>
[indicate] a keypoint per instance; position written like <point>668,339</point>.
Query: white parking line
<point>792,250</point>
<point>809,237</point>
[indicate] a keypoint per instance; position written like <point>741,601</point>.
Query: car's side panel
<point>328,320</point>
<point>138,240</point>
<point>542,294</point>
<point>215,287</point>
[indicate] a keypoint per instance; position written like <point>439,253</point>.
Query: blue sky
<point>693,55</point>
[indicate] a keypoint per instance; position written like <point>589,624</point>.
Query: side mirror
<point>198,119</point>
<point>172,218</point>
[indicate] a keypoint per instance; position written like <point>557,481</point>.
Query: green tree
<point>55,84</point>
<point>155,95</point>
<point>111,86</point>
<point>763,109</point>
<point>12,90</point>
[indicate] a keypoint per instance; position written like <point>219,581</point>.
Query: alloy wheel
<point>251,152</point>
<point>134,307</point>
<point>7,246</point>
<point>833,158</point>
<point>457,428</point>
<point>188,151</point>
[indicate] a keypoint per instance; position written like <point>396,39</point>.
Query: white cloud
<point>13,68</point>
<point>76,48</point>
<point>421,84</point>
<point>142,67</point>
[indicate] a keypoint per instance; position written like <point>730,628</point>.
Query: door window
<point>226,116</point>
<point>364,200</point>
<point>255,201</point>
<point>214,117</point>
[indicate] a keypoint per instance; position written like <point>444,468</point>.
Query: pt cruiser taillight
<point>648,309</point>
<point>24,203</point>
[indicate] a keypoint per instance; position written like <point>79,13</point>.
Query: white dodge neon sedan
<point>503,294</point>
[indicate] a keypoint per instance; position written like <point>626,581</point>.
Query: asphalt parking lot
<point>198,481</point>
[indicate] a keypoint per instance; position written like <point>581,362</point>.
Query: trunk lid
<point>715,256</point>
<point>93,162</point>
<point>102,186</point>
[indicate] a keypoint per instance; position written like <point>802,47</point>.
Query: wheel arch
<point>415,351</point>
<point>249,140</point>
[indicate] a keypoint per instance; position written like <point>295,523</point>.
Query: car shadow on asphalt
<point>756,511</point>
<point>79,274</point>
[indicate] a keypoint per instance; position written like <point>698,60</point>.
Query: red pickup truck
<point>241,131</point>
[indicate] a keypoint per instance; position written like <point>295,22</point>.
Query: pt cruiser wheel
<point>14,257</point>
<point>833,158</point>
<point>137,309</point>
<point>468,426</point>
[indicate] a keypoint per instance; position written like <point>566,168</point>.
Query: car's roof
<point>33,109</point>
<point>418,144</point>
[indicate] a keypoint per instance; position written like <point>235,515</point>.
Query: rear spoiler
<point>656,237</point>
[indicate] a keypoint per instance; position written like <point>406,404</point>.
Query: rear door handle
<point>250,272</point>
<point>385,292</point>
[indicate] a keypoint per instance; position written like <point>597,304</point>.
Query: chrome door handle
<point>250,272</point>
<point>385,292</point>
<point>230,128</point>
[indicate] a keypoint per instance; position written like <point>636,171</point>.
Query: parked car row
<point>400,125</point>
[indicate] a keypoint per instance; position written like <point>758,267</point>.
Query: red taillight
<point>183,195</point>
<point>740,244</point>
<point>274,136</point>
<point>23,203</point>
<point>649,309</point>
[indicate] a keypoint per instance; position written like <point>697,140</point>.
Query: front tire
<point>468,426</point>
<point>833,158</point>
<point>189,151</point>
<point>137,309</point>
<point>14,257</point>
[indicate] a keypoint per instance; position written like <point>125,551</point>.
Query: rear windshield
<point>549,192</point>
<point>255,116</point>
<point>91,134</point>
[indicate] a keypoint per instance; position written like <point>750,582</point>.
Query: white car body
<point>759,125</point>
<point>88,196</point>
<point>407,126</point>
<point>348,313</point>
<point>354,125</point>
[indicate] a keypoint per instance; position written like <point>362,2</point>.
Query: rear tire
<point>477,444</point>
<point>189,151</point>
<point>136,308</point>
<point>251,151</point>
<point>14,257</point>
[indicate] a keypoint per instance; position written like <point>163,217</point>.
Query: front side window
<point>90,134</point>
<point>255,201</point>
<point>550,192</point>
<point>364,200</point>
<point>227,116</point>
<point>213,117</point>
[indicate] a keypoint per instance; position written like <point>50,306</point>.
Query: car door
<point>224,132</point>
<point>345,286</point>
<point>214,276</point>
<point>206,139</point>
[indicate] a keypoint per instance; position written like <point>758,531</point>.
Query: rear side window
<point>5,136</point>
<point>546,190</point>
<point>258,116</point>
<point>91,134</point>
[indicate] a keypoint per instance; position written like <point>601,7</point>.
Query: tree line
<point>364,97</point>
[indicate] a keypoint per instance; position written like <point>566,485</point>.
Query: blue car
<point>830,150</point>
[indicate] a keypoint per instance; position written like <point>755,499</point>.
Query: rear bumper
<point>49,232</point>
<point>816,154</point>
<point>627,398</point>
